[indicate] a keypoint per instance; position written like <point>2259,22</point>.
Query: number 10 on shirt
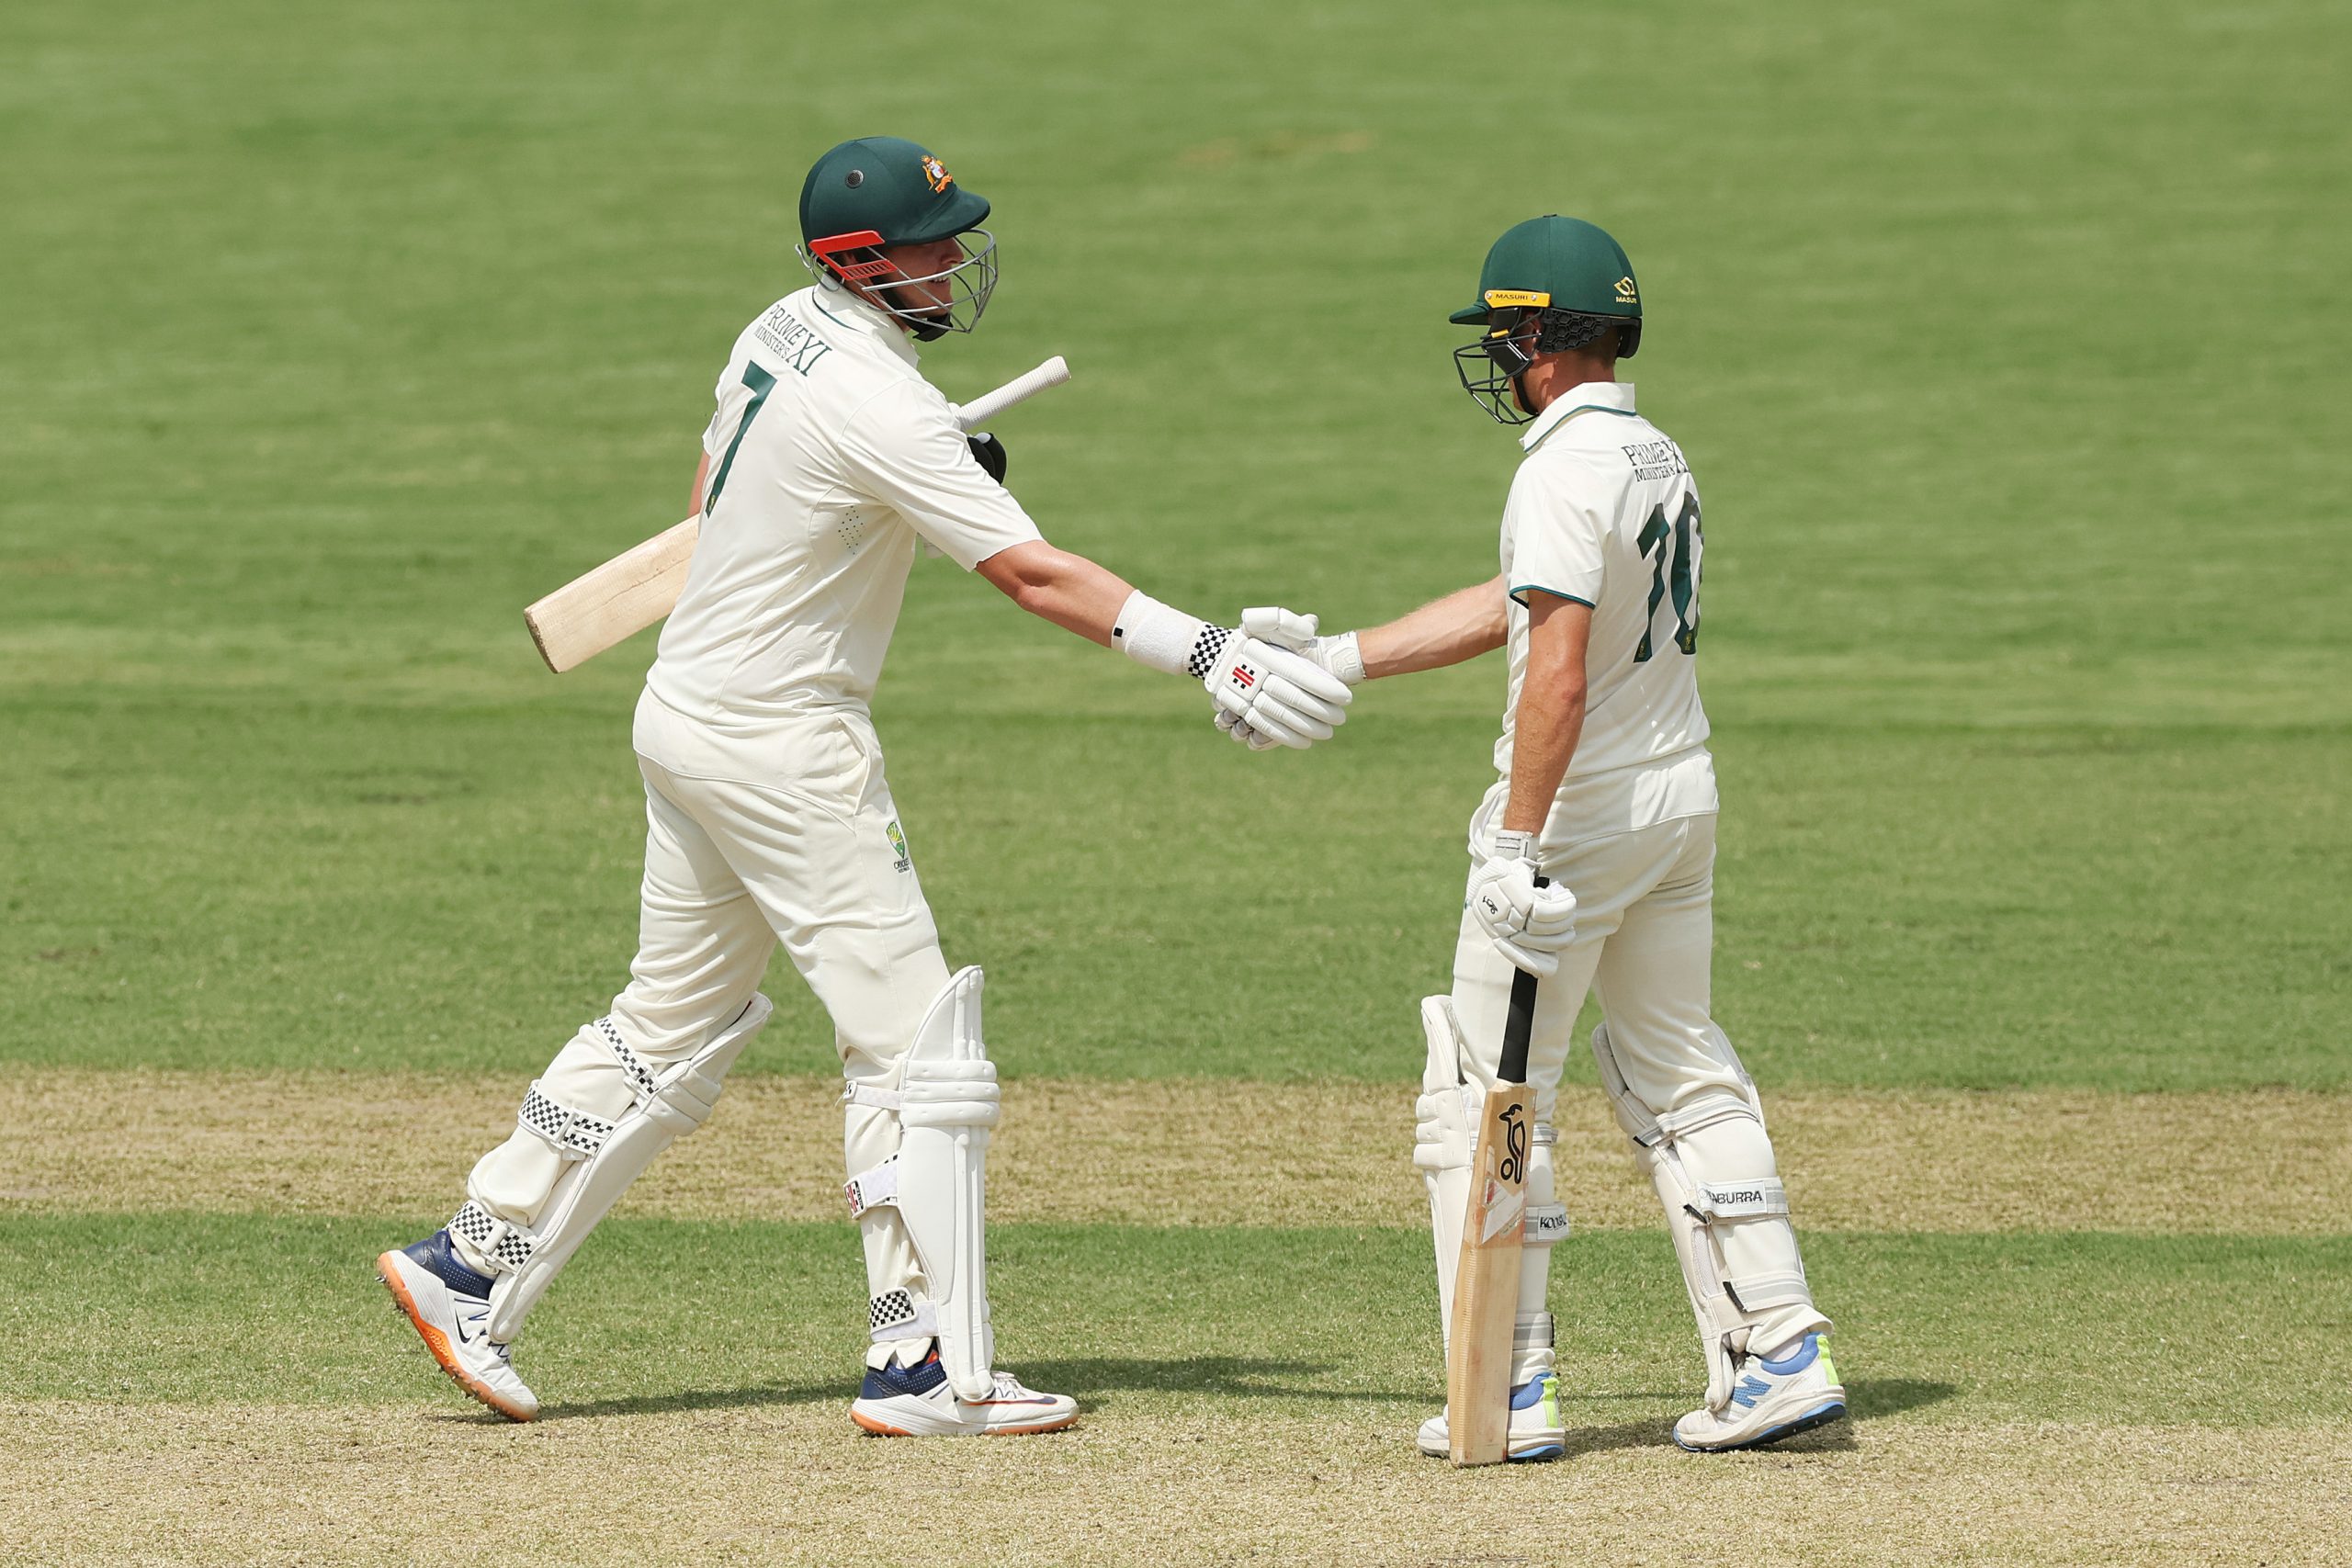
<point>1679,548</point>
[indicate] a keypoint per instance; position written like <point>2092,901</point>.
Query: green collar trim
<point>1611,400</point>
<point>1518,595</point>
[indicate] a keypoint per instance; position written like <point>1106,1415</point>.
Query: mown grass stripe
<point>149,1308</point>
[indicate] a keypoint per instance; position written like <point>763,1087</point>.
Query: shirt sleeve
<point>729,396</point>
<point>1556,531</point>
<point>903,449</point>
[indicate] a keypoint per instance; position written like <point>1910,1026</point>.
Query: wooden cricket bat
<point>632,591</point>
<point>1486,1276</point>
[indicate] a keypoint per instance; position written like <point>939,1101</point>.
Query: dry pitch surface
<point>253,1483</point>
<point>783,1479</point>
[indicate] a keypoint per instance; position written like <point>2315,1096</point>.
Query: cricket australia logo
<point>898,845</point>
<point>937,172</point>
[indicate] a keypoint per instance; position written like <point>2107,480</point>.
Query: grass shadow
<point>1893,1396</point>
<point>1240,1377</point>
<point>1864,1401</point>
<point>1237,1377</point>
<point>755,1397</point>
<point>1584,1442</point>
<point>1243,1377</point>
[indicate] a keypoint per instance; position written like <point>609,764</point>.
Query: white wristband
<point>1160,637</point>
<point>1344,659</point>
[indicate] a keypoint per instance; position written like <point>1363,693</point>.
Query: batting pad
<point>1710,1161</point>
<point>947,1103</point>
<point>668,1104</point>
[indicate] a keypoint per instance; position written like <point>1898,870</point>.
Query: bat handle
<point>1519,1024</point>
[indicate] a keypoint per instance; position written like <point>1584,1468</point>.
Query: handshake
<point>1275,683</point>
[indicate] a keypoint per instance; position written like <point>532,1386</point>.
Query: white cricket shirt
<point>1603,511</point>
<point>830,455</point>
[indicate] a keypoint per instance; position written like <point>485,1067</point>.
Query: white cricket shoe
<point>915,1402</point>
<point>1772,1400</point>
<point>450,1304</point>
<point>1536,1428</point>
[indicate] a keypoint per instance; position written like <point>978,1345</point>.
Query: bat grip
<point>1020,390</point>
<point>1519,1023</point>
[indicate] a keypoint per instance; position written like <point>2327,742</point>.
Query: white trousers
<point>790,836</point>
<point>1644,943</point>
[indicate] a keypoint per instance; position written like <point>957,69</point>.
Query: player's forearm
<point>1543,740</point>
<point>1550,716</point>
<point>1445,631</point>
<point>1070,590</point>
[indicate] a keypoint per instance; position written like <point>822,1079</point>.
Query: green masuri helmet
<point>1550,284</point>
<point>885,190</point>
<point>1559,264</point>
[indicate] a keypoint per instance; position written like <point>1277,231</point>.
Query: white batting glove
<point>1282,699</point>
<point>1294,632</point>
<point>1529,925</point>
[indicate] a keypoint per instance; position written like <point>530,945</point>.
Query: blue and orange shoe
<point>1536,1431</point>
<point>449,1304</point>
<point>1771,1400</point>
<point>915,1402</point>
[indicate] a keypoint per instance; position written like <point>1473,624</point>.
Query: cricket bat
<point>632,591</point>
<point>1485,1276</point>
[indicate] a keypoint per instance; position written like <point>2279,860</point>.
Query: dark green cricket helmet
<point>885,190</point>
<point>1550,284</point>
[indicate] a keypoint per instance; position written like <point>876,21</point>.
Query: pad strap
<point>640,1077</point>
<point>506,1245</point>
<point>1757,1293</point>
<point>873,1189</point>
<point>572,1133</point>
<point>896,1315</point>
<point>1739,1200</point>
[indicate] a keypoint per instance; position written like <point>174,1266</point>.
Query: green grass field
<point>2006,341</point>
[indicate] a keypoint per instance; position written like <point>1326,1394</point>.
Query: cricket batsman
<point>768,817</point>
<point>1605,785</point>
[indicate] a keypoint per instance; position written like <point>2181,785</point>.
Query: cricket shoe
<point>450,1304</point>
<point>915,1402</point>
<point>1772,1400</point>
<point>1536,1428</point>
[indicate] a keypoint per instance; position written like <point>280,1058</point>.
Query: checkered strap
<point>508,1246</point>
<point>639,1075</point>
<point>1205,650</point>
<point>896,1315</point>
<point>873,1187</point>
<point>574,1133</point>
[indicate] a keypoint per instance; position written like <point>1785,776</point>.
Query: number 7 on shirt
<point>630,592</point>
